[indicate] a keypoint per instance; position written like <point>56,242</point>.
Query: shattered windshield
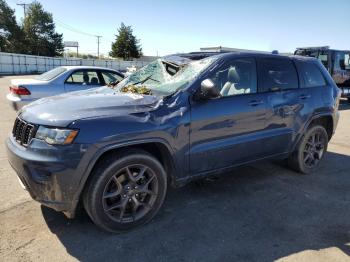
<point>163,77</point>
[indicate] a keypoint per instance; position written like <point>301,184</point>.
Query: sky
<point>168,26</point>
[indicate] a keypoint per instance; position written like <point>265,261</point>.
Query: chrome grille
<point>23,132</point>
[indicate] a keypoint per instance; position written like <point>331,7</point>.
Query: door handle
<point>255,102</point>
<point>304,96</point>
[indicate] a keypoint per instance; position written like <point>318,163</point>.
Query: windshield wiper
<point>145,80</point>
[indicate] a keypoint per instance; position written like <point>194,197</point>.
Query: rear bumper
<point>50,174</point>
<point>17,102</point>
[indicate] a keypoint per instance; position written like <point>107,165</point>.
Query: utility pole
<point>98,46</point>
<point>24,5</point>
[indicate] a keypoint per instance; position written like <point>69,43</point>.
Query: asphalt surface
<point>261,212</point>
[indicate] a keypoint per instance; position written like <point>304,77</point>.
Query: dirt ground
<point>261,212</point>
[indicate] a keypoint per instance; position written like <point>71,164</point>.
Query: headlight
<point>56,136</point>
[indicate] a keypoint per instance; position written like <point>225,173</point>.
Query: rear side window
<point>276,74</point>
<point>310,75</point>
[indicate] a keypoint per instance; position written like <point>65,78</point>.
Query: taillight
<point>19,90</point>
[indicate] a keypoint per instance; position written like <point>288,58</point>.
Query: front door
<point>227,131</point>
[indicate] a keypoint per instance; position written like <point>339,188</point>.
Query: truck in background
<point>337,63</point>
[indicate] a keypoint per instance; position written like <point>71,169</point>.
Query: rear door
<point>314,92</point>
<point>228,130</point>
<point>278,79</point>
<point>82,79</point>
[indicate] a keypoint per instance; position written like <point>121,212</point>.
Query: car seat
<point>94,81</point>
<point>86,78</point>
<point>232,80</point>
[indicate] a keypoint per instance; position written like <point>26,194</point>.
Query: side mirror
<point>207,90</point>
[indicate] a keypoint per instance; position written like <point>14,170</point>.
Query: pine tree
<point>40,34</point>
<point>11,34</point>
<point>126,45</point>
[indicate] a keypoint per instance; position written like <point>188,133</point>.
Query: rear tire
<point>126,190</point>
<point>309,151</point>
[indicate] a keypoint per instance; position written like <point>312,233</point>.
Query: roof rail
<point>314,47</point>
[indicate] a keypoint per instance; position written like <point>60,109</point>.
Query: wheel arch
<point>157,148</point>
<point>326,120</point>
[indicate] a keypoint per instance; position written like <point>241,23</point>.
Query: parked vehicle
<point>59,80</point>
<point>180,118</point>
<point>337,63</point>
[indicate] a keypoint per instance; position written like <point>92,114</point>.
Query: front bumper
<point>51,174</point>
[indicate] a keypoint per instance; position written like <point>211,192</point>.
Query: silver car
<point>59,80</point>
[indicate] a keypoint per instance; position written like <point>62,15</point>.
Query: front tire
<point>126,190</point>
<point>310,150</point>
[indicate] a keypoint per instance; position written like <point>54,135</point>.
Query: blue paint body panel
<point>202,137</point>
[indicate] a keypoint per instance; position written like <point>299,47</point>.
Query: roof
<point>88,67</point>
<point>198,55</point>
<point>320,48</point>
<point>314,47</point>
<point>185,58</point>
<point>225,49</point>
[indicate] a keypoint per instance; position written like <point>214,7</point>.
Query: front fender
<point>100,151</point>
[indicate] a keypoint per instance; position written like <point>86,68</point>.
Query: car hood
<point>17,82</point>
<point>63,109</point>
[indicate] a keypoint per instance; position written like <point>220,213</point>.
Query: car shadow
<point>260,212</point>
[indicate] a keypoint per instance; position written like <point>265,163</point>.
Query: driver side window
<point>236,77</point>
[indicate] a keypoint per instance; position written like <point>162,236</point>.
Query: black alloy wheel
<point>130,193</point>
<point>310,150</point>
<point>126,190</point>
<point>314,149</point>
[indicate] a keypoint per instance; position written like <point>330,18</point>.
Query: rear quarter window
<point>310,75</point>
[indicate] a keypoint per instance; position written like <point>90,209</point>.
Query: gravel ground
<point>261,212</point>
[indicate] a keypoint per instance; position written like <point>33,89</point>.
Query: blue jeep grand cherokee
<point>116,148</point>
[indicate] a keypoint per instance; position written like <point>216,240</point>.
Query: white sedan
<point>59,80</point>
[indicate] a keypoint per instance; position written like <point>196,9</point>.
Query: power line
<point>73,29</point>
<point>24,5</point>
<point>70,28</point>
